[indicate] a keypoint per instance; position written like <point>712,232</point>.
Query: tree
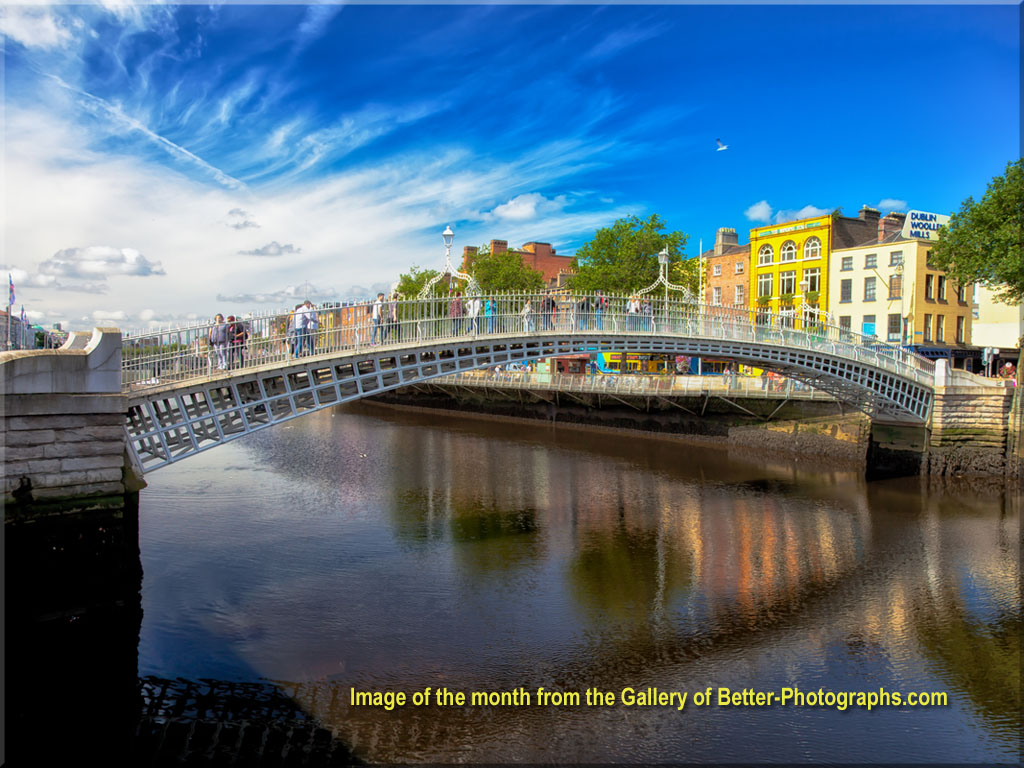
<point>503,272</point>
<point>624,257</point>
<point>984,242</point>
<point>411,283</point>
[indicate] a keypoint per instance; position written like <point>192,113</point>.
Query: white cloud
<point>891,204</point>
<point>107,316</point>
<point>240,219</point>
<point>272,248</point>
<point>807,212</point>
<point>99,262</point>
<point>33,27</point>
<point>759,212</point>
<point>528,206</point>
<point>82,287</point>
<point>361,226</point>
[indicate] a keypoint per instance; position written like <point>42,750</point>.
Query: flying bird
<point>721,146</point>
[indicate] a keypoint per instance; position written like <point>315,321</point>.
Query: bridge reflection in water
<point>396,553</point>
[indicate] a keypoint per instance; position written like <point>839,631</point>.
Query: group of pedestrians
<point>384,318</point>
<point>303,325</point>
<point>227,340</point>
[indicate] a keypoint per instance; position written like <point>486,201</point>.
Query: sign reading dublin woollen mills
<point>923,225</point>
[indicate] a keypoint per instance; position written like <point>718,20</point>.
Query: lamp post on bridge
<point>472,287</point>
<point>663,261</point>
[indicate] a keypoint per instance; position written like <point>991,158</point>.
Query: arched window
<point>812,248</point>
<point>788,252</point>
<point>764,256</point>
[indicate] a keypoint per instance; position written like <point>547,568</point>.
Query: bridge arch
<point>169,422</point>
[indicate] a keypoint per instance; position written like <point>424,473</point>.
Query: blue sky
<point>167,162</point>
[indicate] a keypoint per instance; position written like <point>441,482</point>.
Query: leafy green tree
<point>984,242</point>
<point>503,272</point>
<point>624,257</point>
<point>685,273</point>
<point>411,283</point>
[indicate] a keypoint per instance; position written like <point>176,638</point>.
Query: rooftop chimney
<point>890,224</point>
<point>499,246</point>
<point>724,237</point>
<point>868,214</point>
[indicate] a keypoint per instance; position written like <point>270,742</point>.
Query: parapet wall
<point>63,424</point>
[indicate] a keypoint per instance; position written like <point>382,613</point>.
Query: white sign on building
<point>923,225</point>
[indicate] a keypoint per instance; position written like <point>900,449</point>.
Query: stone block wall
<point>970,427</point>
<point>63,438</point>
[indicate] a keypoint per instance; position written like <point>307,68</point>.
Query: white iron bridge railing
<point>726,385</point>
<point>201,351</point>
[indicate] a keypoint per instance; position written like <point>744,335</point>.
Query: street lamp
<point>472,287</point>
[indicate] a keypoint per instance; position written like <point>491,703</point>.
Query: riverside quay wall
<point>63,438</point>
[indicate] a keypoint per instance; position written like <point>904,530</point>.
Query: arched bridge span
<point>170,420</point>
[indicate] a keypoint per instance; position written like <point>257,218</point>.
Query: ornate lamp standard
<point>663,259</point>
<point>472,287</point>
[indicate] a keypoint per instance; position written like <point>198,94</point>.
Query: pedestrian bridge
<point>181,401</point>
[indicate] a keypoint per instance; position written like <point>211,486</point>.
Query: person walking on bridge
<point>377,316</point>
<point>219,341</point>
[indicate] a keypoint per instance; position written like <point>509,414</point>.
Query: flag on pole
<point>10,283</point>
<point>23,320</point>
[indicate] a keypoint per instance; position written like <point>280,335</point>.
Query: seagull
<point>721,146</point>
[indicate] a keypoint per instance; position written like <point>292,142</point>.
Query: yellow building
<point>789,263</point>
<point>888,289</point>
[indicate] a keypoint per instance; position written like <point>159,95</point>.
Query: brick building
<point>538,256</point>
<point>727,278</point>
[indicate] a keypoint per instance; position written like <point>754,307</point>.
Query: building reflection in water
<point>530,556</point>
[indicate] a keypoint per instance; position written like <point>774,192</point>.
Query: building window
<point>716,296</point>
<point>845,291</point>
<point>812,248</point>
<point>739,267</point>
<point>942,288</point>
<point>787,282</point>
<point>927,327</point>
<point>895,287</point>
<point>928,260</point>
<point>740,298</point>
<point>894,328</point>
<point>929,287</point>
<point>716,270</point>
<point>961,295</point>
<point>812,277</point>
<point>867,326</point>
<point>895,258</point>
<point>764,256</point>
<point>788,252</point>
<point>871,261</point>
<point>869,289</point>
<point>940,329</point>
<point>847,263</point>
<point>844,327</point>
<point>764,285</point>
<point>960,329</point>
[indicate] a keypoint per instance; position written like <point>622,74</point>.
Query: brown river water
<point>375,549</point>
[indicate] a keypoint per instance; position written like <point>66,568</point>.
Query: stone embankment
<point>970,431</point>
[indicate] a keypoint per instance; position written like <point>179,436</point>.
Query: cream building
<point>888,289</point>
<point>997,325</point>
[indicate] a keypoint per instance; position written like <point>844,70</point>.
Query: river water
<point>377,549</point>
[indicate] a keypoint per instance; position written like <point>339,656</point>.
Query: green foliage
<point>624,257</point>
<point>411,283</point>
<point>984,242</point>
<point>685,273</point>
<point>503,272</point>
